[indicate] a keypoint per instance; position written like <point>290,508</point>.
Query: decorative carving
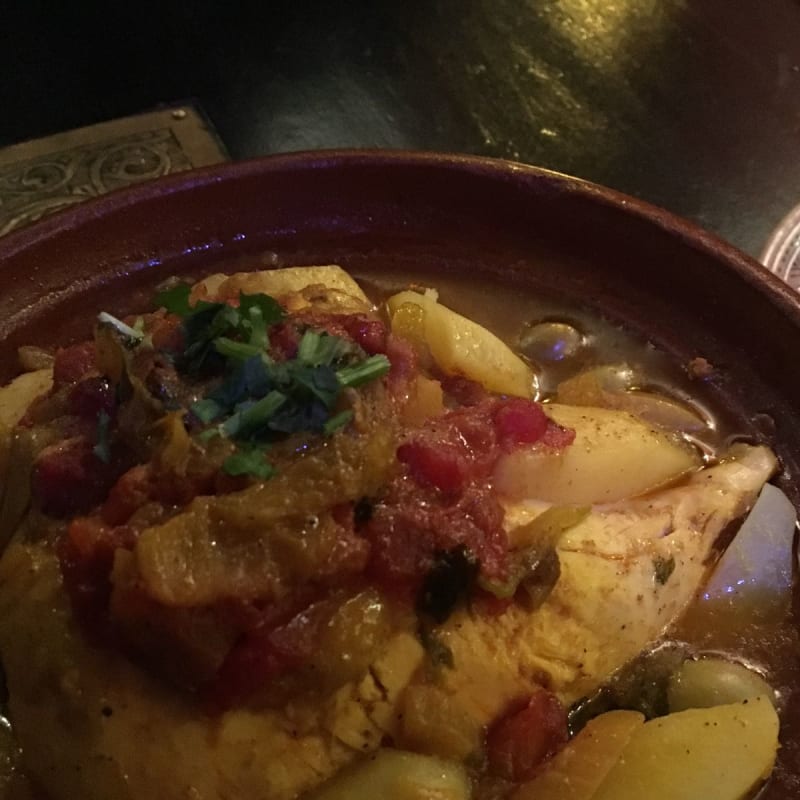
<point>30,190</point>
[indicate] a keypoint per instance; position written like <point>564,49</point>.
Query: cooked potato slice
<point>460,346</point>
<point>610,386</point>
<point>278,282</point>
<point>721,752</point>
<point>397,775</point>
<point>577,770</point>
<point>15,397</point>
<point>614,456</point>
<point>714,682</point>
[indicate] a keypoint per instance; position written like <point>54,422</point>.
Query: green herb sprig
<point>259,400</point>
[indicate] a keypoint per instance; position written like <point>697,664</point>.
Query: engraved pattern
<point>30,190</point>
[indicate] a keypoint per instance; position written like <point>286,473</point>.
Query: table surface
<point>690,104</point>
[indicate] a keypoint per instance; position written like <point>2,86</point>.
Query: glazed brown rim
<point>690,234</point>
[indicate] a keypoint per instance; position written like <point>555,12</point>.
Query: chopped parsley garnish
<point>339,421</point>
<point>317,348</point>
<point>364,372</point>
<point>250,416</point>
<point>215,332</point>
<point>175,300</point>
<point>260,400</point>
<point>248,461</point>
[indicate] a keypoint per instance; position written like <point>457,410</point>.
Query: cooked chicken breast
<point>93,725</point>
<point>627,571</point>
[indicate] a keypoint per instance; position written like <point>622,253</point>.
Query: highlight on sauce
<point>280,538</point>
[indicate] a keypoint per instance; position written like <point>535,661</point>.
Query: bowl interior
<point>687,292</point>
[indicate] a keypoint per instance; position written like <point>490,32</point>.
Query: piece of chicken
<point>95,726</point>
<point>627,571</point>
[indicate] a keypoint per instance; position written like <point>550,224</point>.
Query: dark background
<point>690,104</point>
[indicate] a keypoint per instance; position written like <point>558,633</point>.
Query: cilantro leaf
<point>300,416</point>
<point>367,370</point>
<point>251,416</point>
<point>317,349</point>
<point>207,410</point>
<point>200,329</point>
<point>175,300</point>
<point>258,312</point>
<point>250,379</point>
<point>320,382</point>
<point>249,461</point>
<point>338,421</point>
<point>237,351</point>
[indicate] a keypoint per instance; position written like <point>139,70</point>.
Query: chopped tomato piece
<point>444,465</point>
<point>91,396</point>
<point>284,642</point>
<point>520,422</point>
<point>69,478</point>
<point>526,736</point>
<point>73,363</point>
<point>86,554</point>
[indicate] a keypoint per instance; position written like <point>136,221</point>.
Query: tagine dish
<point>286,534</point>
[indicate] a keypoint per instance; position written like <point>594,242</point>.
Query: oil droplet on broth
<point>552,341</point>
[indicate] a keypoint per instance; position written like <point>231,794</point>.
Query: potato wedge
<point>722,752</point>
<point>576,771</point>
<point>398,775</point>
<point>16,396</point>
<point>614,456</point>
<point>714,681</point>
<point>278,282</point>
<point>460,346</point>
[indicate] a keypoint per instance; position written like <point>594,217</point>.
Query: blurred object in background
<point>781,253</point>
<point>42,176</point>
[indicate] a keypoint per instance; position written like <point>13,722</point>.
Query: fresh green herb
<point>259,400</point>
<point>207,410</point>
<point>238,351</point>
<point>216,331</point>
<point>337,421</point>
<point>316,348</point>
<point>367,370</point>
<point>258,312</point>
<point>320,382</point>
<point>250,379</point>
<point>248,461</point>
<point>175,300</point>
<point>103,447</point>
<point>663,568</point>
<point>296,417</point>
<point>253,415</point>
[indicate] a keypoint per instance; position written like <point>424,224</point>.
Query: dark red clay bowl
<point>688,292</point>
